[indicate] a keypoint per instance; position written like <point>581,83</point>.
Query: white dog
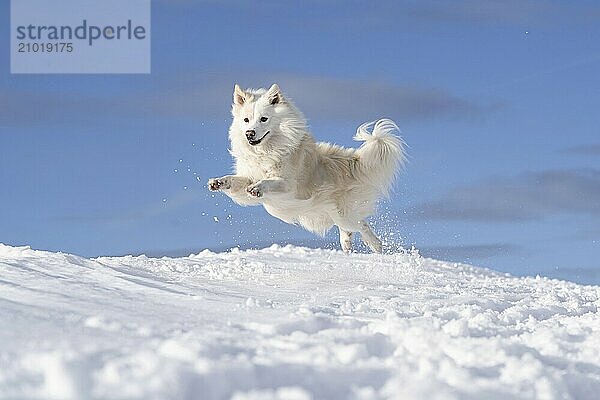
<point>317,185</point>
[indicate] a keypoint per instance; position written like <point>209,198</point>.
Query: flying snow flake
<point>216,219</point>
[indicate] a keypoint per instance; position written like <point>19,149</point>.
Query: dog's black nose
<point>250,134</point>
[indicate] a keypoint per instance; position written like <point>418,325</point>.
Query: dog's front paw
<point>216,184</point>
<point>255,190</point>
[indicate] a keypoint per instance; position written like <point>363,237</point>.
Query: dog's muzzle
<point>251,136</point>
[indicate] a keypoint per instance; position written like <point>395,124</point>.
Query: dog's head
<point>263,120</point>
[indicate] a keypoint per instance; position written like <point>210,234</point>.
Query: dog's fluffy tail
<point>382,155</point>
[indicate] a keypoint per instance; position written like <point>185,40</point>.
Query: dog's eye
<point>246,120</point>
<point>264,119</point>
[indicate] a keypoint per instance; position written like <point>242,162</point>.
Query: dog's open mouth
<point>255,142</point>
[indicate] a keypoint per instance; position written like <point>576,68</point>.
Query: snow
<point>289,323</point>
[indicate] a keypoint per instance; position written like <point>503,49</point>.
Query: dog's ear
<point>239,96</point>
<point>274,94</point>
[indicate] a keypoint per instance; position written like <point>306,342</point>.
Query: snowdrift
<point>289,323</point>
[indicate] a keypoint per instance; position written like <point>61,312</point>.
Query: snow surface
<point>289,323</point>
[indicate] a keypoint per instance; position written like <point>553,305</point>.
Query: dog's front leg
<point>234,186</point>
<point>266,186</point>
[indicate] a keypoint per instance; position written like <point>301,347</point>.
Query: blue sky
<point>498,102</point>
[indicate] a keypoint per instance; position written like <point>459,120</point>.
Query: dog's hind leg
<point>347,226</point>
<point>346,240</point>
<point>369,238</point>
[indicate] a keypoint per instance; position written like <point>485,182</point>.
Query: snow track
<point>289,323</point>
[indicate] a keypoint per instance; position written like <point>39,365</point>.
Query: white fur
<point>315,185</point>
